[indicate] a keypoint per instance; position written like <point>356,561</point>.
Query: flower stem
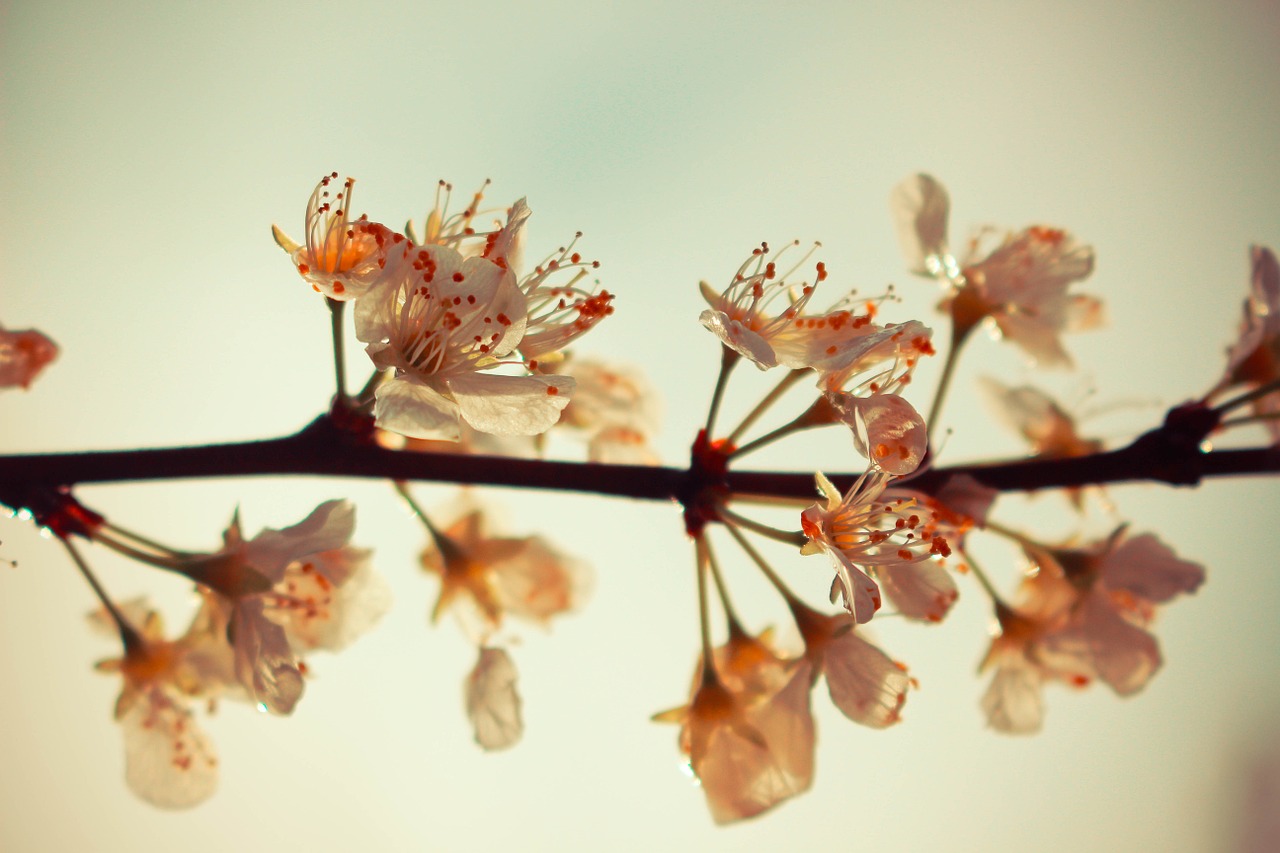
<point>339,362</point>
<point>790,537</point>
<point>959,334</point>
<point>728,360</point>
<point>128,634</point>
<point>764,567</point>
<point>819,414</point>
<point>701,559</point>
<point>763,406</point>
<point>985,581</point>
<point>730,615</point>
<point>1247,397</point>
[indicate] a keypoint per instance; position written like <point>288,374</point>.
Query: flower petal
<point>920,206</point>
<point>865,684</point>
<point>416,410</point>
<point>169,762</point>
<point>493,703</point>
<point>510,405</point>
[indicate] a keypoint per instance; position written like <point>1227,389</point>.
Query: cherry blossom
<point>343,256</point>
<point>169,761</point>
<point>860,530</point>
<point>301,585</point>
<point>442,323</point>
<point>1049,430</point>
<point>483,577</point>
<point>747,729</point>
<point>1120,581</point>
<point>492,703</point>
<point>1021,283</point>
<point>23,354</point>
<point>1082,615</point>
<point>614,407</point>
<point>740,316</point>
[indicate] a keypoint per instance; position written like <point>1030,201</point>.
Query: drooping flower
<point>484,577</point>
<point>492,702</point>
<point>860,531</point>
<point>169,761</point>
<point>1013,702</point>
<point>1021,284</point>
<point>343,256</point>
<point>1119,582</point>
<point>1082,615</point>
<point>286,591</point>
<point>747,728</point>
<point>23,354</point>
<point>442,323</point>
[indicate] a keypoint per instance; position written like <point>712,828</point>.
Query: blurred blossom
<point>23,354</point>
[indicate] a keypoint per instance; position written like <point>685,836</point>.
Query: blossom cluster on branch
<point>471,353</point>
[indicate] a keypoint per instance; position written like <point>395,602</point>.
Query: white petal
<point>920,207</point>
<point>865,684</point>
<point>886,429</point>
<point>415,410</point>
<point>739,338</point>
<point>1013,703</point>
<point>493,704</point>
<point>327,527</point>
<point>861,594</point>
<point>169,762</point>
<point>922,590</point>
<point>511,405</point>
<point>264,662</point>
<point>1149,569</point>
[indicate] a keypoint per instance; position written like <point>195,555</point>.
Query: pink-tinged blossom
<point>1021,284</point>
<point>615,408</point>
<point>1254,360</point>
<point>1119,581</point>
<point>442,324</point>
<point>169,761</point>
<point>302,585</point>
<point>747,729</point>
<point>1013,702</point>
<point>1082,615</point>
<point>492,701</point>
<point>343,256</point>
<point>875,359</point>
<point>483,577</point>
<point>761,315</point>
<point>23,354</point>
<point>861,531</point>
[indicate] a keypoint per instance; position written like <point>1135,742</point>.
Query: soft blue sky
<point>148,147</point>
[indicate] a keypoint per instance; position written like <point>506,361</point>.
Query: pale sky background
<point>148,147</point>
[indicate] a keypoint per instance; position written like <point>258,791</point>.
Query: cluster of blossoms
<point>459,333</point>
<point>265,603</point>
<point>470,354</point>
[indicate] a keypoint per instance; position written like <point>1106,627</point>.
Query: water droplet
<point>262,707</point>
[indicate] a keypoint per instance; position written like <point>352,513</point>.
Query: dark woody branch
<point>1169,454</point>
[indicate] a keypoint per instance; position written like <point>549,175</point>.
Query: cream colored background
<point>148,147</point>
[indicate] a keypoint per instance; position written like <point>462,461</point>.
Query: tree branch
<point>1165,455</point>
